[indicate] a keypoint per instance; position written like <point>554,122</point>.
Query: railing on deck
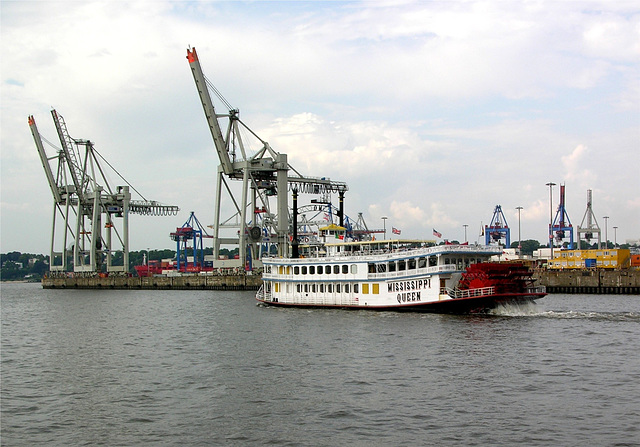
<point>467,293</point>
<point>263,294</point>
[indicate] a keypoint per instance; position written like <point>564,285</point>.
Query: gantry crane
<point>85,201</point>
<point>561,223</point>
<point>192,232</point>
<point>265,174</point>
<point>592,225</point>
<point>498,228</point>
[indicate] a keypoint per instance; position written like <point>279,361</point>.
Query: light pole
<point>606,238</point>
<point>551,185</point>
<point>465,231</point>
<point>384,224</point>
<point>519,208</point>
<point>615,237</point>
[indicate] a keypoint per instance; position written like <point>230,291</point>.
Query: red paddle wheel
<point>506,278</point>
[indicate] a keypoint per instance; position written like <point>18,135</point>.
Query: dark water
<point>213,368</point>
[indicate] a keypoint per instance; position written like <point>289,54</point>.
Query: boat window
<point>296,270</point>
<point>337,288</point>
<point>371,267</point>
<point>327,269</point>
<point>280,270</point>
<point>382,268</point>
<point>346,288</point>
<point>289,287</point>
<point>320,270</point>
<point>376,288</point>
<point>321,288</point>
<point>392,266</point>
<point>298,288</point>
<point>365,288</point>
<point>312,269</point>
<point>288,270</point>
<point>402,265</point>
<point>446,261</point>
<point>411,264</point>
<point>422,263</point>
<point>277,287</point>
<point>355,288</point>
<point>304,269</point>
<point>354,269</point>
<point>306,288</point>
<point>330,288</point>
<point>345,269</point>
<point>336,269</point>
<point>433,261</point>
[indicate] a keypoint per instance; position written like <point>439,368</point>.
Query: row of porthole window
<point>336,269</point>
<point>332,288</point>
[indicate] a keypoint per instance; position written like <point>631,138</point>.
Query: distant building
<point>618,258</point>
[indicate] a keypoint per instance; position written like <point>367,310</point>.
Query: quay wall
<point>556,281</point>
<point>186,282</point>
<point>625,282</point>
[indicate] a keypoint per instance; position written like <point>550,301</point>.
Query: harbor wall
<point>185,282</point>
<point>556,281</point>
<point>594,281</point>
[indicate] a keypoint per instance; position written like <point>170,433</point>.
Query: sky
<point>433,112</point>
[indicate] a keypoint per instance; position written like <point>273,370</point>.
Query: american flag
<point>436,234</point>
<point>394,230</point>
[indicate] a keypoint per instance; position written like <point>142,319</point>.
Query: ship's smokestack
<point>294,244</point>
<point>341,212</point>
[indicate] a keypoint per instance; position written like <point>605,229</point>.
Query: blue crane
<point>498,228</point>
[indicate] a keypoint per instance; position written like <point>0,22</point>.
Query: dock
<point>184,282</point>
<point>559,281</point>
<point>590,281</point>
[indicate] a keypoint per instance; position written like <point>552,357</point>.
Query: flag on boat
<point>394,230</point>
<point>436,234</point>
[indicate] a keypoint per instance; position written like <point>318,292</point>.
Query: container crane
<point>587,231</point>
<point>86,202</point>
<point>497,228</point>
<point>190,232</point>
<point>561,223</point>
<point>265,174</point>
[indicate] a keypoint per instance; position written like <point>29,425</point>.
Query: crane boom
<point>55,189</point>
<point>209,111</point>
<point>67,147</point>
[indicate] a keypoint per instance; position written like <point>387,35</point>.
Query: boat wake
<point>515,310</point>
<point>533,310</point>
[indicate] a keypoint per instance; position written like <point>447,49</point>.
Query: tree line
<point>16,266</point>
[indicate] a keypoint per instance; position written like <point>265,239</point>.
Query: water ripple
<point>211,368</point>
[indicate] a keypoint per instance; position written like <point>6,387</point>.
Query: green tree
<point>528,246</point>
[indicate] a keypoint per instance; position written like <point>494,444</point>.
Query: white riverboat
<point>396,275</point>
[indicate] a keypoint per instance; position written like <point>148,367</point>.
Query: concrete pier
<point>556,281</point>
<point>625,282</point>
<point>186,282</point>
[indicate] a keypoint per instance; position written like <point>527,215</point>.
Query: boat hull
<point>476,304</point>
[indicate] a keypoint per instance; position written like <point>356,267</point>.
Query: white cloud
<point>432,112</point>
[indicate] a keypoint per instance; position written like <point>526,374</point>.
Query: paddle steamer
<point>395,274</point>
